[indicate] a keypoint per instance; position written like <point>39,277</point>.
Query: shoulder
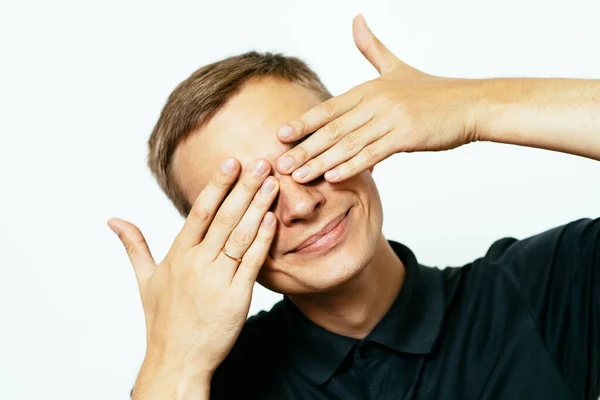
<point>563,249</point>
<point>573,238</point>
<point>547,259</point>
<point>539,291</point>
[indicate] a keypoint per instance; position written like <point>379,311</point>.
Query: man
<point>361,318</point>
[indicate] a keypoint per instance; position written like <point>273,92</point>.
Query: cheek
<point>366,188</point>
<point>368,219</point>
<point>370,198</point>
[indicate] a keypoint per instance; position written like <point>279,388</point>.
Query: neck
<point>354,308</point>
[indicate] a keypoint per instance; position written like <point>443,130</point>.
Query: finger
<point>136,248</point>
<point>255,257</point>
<point>206,205</point>
<point>326,137</point>
<point>372,48</point>
<point>319,115</point>
<point>234,207</point>
<point>365,159</point>
<point>349,146</point>
<point>245,232</point>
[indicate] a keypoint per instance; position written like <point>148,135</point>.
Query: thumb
<point>136,247</point>
<point>371,47</point>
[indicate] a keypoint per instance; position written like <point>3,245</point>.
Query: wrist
<point>175,375</point>
<point>179,361</point>
<point>498,107</point>
<point>484,106</point>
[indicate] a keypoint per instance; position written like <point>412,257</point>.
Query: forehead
<point>244,128</point>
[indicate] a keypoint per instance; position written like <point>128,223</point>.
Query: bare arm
<point>408,110</point>
<point>555,114</point>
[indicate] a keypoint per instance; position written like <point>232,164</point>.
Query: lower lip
<point>329,240</point>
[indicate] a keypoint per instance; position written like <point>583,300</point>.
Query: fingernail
<point>332,175</point>
<point>228,166</point>
<point>286,163</point>
<point>259,167</point>
<point>302,172</point>
<point>268,220</point>
<point>268,185</point>
<point>285,131</point>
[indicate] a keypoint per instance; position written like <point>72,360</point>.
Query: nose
<point>295,201</point>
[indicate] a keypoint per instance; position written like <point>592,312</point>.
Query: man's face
<point>245,129</point>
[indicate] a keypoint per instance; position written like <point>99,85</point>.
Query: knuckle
<point>132,243</point>
<point>176,266</point>
<point>241,238</point>
<point>225,219</point>
<point>251,262</point>
<point>334,131</point>
<point>303,124</point>
<point>350,166</point>
<point>328,109</point>
<point>357,96</point>
<point>300,154</point>
<point>350,142</point>
<point>129,248</point>
<point>219,182</point>
<point>264,237</point>
<point>247,187</point>
<point>176,258</point>
<point>370,153</point>
<point>199,213</point>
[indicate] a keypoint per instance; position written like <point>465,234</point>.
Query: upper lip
<point>320,233</point>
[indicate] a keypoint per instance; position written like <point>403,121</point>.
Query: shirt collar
<point>314,351</point>
<point>411,325</point>
<point>414,321</point>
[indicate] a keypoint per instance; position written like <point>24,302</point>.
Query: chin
<point>319,272</point>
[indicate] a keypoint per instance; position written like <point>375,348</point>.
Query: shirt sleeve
<point>557,273</point>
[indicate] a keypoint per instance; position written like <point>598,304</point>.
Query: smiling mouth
<point>326,238</point>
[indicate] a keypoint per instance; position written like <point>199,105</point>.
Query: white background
<point>82,84</point>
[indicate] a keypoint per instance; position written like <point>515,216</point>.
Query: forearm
<point>171,379</point>
<point>556,114</point>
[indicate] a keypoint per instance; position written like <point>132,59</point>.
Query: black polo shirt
<point>522,322</point>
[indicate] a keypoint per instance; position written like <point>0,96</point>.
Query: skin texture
<point>196,300</point>
<point>408,110</point>
<point>362,271</point>
<point>243,129</point>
